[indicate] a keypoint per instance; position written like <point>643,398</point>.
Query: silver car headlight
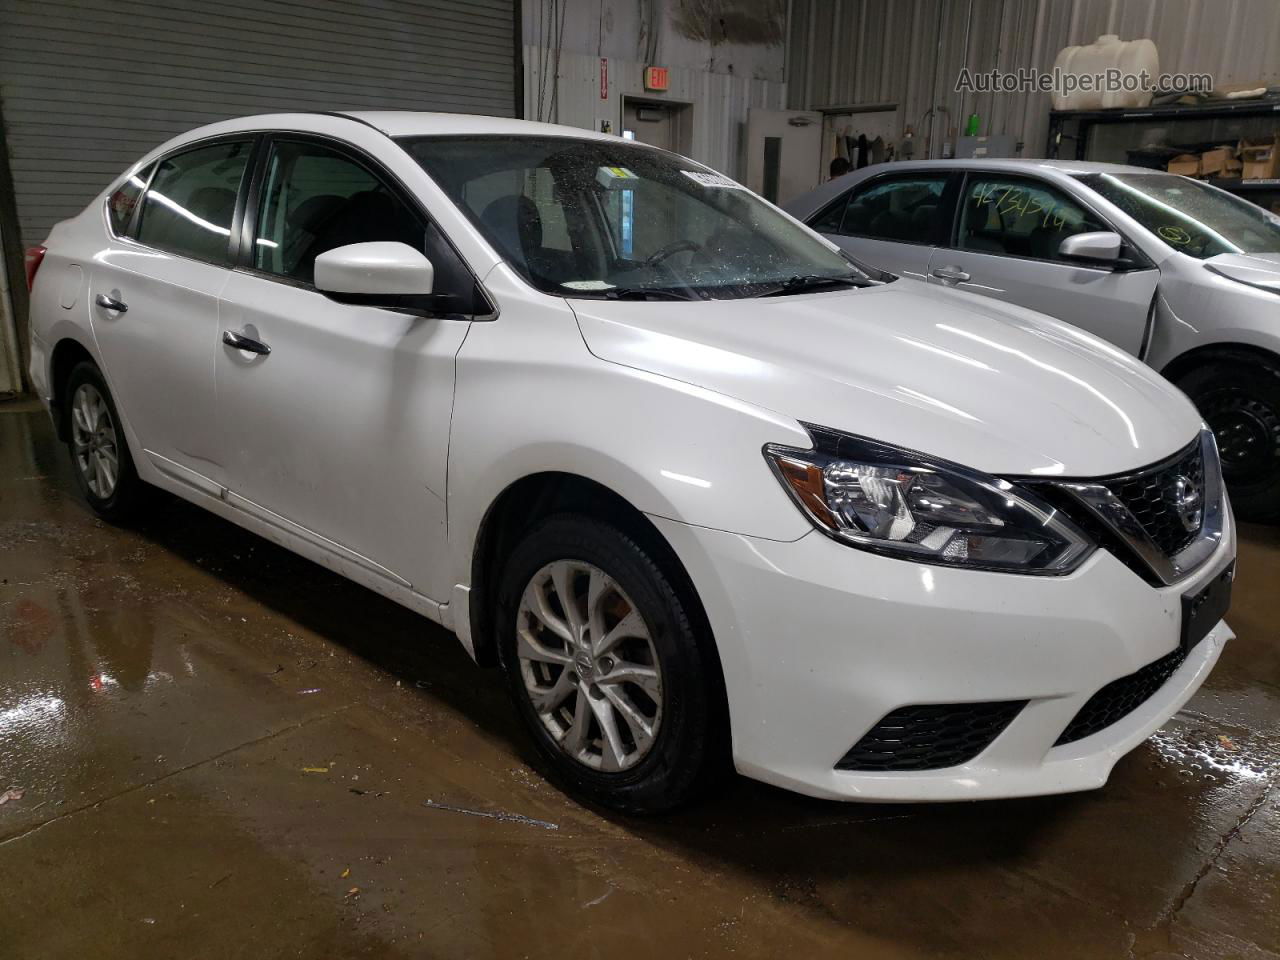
<point>903,504</point>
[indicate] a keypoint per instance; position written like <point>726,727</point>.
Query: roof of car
<point>1023,164</point>
<point>809,203</point>
<point>391,123</point>
<point>410,123</point>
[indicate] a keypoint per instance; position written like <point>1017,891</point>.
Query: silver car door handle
<point>241,342</point>
<point>111,303</point>
<point>951,275</point>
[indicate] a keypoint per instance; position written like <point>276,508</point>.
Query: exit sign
<point>655,78</point>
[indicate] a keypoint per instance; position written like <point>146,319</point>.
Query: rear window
<point>122,203</point>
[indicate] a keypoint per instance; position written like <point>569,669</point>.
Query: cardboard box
<point>1220,162</point>
<point>1185,164</point>
<point>1260,159</point>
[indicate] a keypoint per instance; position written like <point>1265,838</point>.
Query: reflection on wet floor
<point>219,749</point>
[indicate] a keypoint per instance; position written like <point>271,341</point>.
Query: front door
<point>154,306</point>
<point>339,434</point>
<point>1007,240</point>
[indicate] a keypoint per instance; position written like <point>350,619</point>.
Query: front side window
<point>189,206</point>
<point>603,218</point>
<point>1191,217</point>
<point>315,199</point>
<point>122,203</point>
<point>1020,218</point>
<point>900,209</point>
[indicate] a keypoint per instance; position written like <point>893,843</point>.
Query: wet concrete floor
<point>223,750</point>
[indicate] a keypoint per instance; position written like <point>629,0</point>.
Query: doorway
<point>659,123</point>
<point>862,135</point>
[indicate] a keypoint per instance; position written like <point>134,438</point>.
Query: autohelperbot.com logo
<point>1062,83</point>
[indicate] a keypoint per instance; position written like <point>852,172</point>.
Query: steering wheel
<point>671,249</point>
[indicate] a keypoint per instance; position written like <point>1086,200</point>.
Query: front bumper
<point>819,641</point>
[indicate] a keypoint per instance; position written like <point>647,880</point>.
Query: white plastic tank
<point>1129,57</point>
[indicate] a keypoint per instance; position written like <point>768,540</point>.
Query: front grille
<point>930,736</point>
<point>1119,698</point>
<point>1150,498</point>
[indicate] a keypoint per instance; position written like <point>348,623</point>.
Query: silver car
<point>1179,273</point>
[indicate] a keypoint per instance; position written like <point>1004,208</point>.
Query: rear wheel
<point>608,672</point>
<point>1239,398</point>
<point>99,454</point>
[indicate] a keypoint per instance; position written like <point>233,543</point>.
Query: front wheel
<point>1239,398</point>
<point>609,674</point>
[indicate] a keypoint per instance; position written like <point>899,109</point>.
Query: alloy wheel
<point>94,442</point>
<point>589,665</point>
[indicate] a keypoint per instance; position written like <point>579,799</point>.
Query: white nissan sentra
<point>700,484</point>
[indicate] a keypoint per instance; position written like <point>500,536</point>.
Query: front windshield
<point>1191,217</point>
<point>603,218</point>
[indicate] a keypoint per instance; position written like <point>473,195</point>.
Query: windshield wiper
<point>807,282</point>
<point>649,293</point>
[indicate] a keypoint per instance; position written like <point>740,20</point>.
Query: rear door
<point>154,300</point>
<point>891,221</point>
<point>339,432</point>
<point>1007,234</point>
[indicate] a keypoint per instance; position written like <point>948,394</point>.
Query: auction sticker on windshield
<point>615,178</point>
<point>711,179</point>
<point>588,285</point>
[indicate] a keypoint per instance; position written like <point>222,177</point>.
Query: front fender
<point>531,398</point>
<point>1199,308</point>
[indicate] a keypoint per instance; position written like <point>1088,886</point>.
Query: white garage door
<point>90,85</point>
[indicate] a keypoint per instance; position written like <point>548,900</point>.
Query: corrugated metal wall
<point>846,52</point>
<point>720,102</point>
<point>90,85</point>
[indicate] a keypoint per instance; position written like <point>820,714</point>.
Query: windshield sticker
<point>588,285</point>
<point>615,178</point>
<point>711,179</point>
<point>1170,233</point>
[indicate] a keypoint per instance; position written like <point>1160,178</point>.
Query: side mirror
<point>1102,245</point>
<point>382,268</point>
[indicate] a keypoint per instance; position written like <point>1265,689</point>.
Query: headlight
<point>903,504</point>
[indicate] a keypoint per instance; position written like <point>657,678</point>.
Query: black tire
<point>124,497</point>
<point>690,746</point>
<point>1239,397</point>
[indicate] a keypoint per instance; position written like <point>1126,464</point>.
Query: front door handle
<point>241,342</point>
<point>951,275</point>
<point>111,303</point>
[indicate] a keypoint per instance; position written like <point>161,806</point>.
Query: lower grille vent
<point>930,736</point>
<point>1119,698</point>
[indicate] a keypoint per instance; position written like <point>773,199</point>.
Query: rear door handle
<point>951,275</point>
<point>111,303</point>
<point>241,342</point>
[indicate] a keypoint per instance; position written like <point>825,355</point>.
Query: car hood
<point>1255,269</point>
<point>947,373</point>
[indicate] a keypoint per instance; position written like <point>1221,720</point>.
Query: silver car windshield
<point>1191,217</point>
<point>593,218</point>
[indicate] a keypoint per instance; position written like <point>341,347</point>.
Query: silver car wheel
<point>589,665</point>
<point>93,440</point>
